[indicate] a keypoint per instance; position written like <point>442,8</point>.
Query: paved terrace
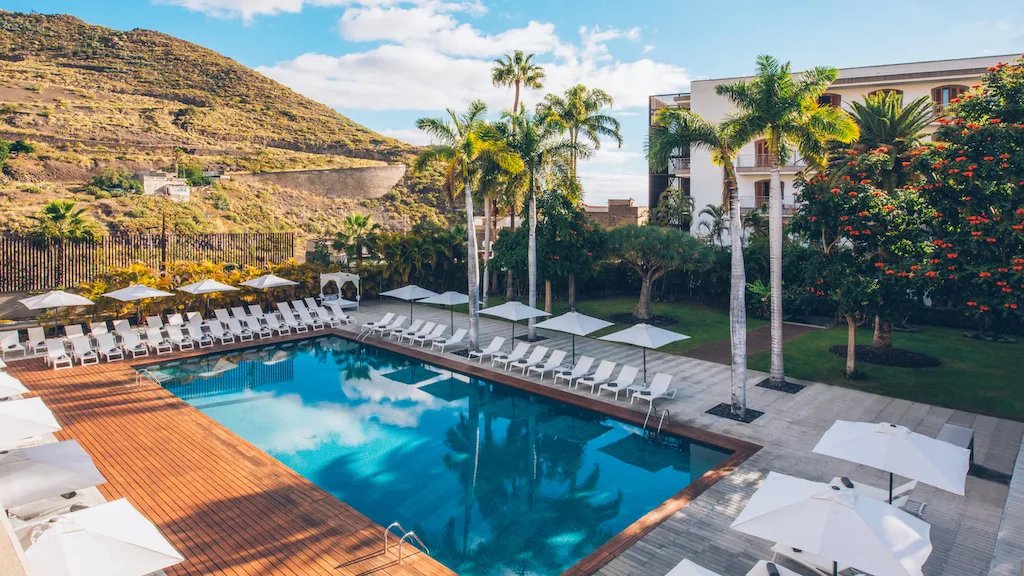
<point>964,528</point>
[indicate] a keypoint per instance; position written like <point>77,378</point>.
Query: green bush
<point>111,179</point>
<point>220,201</point>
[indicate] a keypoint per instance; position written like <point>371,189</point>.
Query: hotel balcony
<point>759,164</point>
<point>751,203</point>
<point>679,165</point>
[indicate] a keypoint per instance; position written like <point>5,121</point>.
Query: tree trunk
<point>509,293</point>
<point>472,269</point>
<point>737,304</point>
<point>572,292</point>
<point>851,345</point>
<point>778,376</point>
<point>547,296</point>
<point>883,333</point>
<point>494,236</point>
<point>487,252</point>
<point>643,307</point>
<point>532,261</point>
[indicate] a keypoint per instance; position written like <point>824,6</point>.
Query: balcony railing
<point>676,165</point>
<point>762,163</point>
<point>748,203</point>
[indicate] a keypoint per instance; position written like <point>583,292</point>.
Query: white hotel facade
<point>693,171</point>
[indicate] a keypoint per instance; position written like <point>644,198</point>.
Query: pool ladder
<point>143,375</point>
<point>406,536</point>
<point>652,411</point>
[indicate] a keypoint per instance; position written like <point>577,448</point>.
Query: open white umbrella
<point>574,323</point>
<point>514,312</point>
<point>23,419</point>
<point>45,471</point>
<point>113,539</point>
<point>449,299</point>
<point>268,281</point>
<point>411,293</point>
<point>898,450</point>
<point>10,386</point>
<point>135,293</point>
<point>206,287</point>
<point>834,523</point>
<point>55,299</point>
<point>688,568</point>
<point>645,336</point>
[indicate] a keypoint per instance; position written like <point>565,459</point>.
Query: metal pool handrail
<point>405,535</point>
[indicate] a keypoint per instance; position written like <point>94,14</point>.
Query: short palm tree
<point>463,142</point>
<point>61,219</point>
<point>714,225</point>
<point>883,120</point>
<point>357,231</point>
<point>783,108</point>
<point>579,113</point>
<point>675,130</point>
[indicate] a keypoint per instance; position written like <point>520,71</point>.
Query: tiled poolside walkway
<point>964,528</point>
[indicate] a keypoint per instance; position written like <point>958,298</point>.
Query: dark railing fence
<point>30,264</point>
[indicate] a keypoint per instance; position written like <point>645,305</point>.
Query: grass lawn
<point>974,376</point>
<point>701,323</point>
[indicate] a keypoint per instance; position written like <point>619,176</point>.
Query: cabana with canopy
<point>339,278</point>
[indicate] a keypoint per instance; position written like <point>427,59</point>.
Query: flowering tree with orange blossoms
<point>974,181</point>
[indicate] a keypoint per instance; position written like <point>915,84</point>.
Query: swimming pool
<point>494,480</point>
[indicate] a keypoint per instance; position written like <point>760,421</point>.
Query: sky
<point>385,63</point>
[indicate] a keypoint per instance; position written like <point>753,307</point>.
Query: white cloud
<point>249,9</point>
<point>599,187</point>
<point>648,48</point>
<point>410,135</point>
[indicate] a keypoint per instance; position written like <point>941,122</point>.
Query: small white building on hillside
<point>167,184</point>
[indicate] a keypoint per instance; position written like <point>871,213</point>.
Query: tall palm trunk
<point>487,251</point>
<point>851,345</point>
<point>509,293</point>
<point>737,300</point>
<point>531,262</point>
<point>472,269</point>
<point>775,260</point>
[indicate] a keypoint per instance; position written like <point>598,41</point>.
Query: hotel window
<point>761,153</point>
<point>762,189</point>
<point>942,96</point>
<point>828,99</point>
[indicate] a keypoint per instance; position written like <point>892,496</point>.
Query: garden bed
<point>894,357</point>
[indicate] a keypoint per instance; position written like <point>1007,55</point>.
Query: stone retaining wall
<point>367,182</point>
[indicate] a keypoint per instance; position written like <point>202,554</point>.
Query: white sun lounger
<point>395,325</point>
<point>73,331</point>
<point>154,322</point>
<point>335,309</point>
<point>326,317</point>
<point>517,354</point>
<point>600,376</point>
<point>398,330</point>
<point>554,362</point>
<point>581,369</point>
<point>535,358</point>
<point>222,315</point>
<point>239,312</point>
<point>256,311</point>
<point>304,316</point>
<point>97,328</point>
<point>299,305</point>
<point>243,334</point>
<point>36,339</point>
<point>494,348</point>
<point>131,343</point>
<point>274,324</point>
<point>900,494</point>
<point>177,337</point>
<point>81,350</point>
<point>423,331</point>
<point>218,332</point>
<point>156,341</point>
<point>624,381</point>
<point>459,335</point>
<point>195,318</point>
<point>56,356</point>
<point>195,333</point>
<point>175,319</point>
<point>659,388</point>
<point>9,343</point>
<point>311,302</point>
<point>436,334</point>
<point>254,326</point>
<point>123,327</point>
<point>292,323</point>
<point>816,563</point>
<point>369,326</point>
<point>107,347</point>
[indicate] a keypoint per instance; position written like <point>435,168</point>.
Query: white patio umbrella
<point>645,336</point>
<point>411,293</point>
<point>113,539</point>
<point>206,287</point>
<point>688,568</point>
<point>449,299</point>
<point>10,386</point>
<point>574,323</point>
<point>45,471</point>
<point>834,523</point>
<point>136,293</point>
<point>898,450</point>
<point>514,312</point>
<point>268,281</point>
<point>55,299</point>
<point>23,419</point>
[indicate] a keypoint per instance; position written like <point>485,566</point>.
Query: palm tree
<point>464,140</point>
<point>579,114</point>
<point>783,108</point>
<point>714,225</point>
<point>60,219</point>
<point>357,231</point>
<point>883,120</point>
<point>680,130</point>
<point>537,144</point>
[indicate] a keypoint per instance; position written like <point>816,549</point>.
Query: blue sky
<point>385,63</point>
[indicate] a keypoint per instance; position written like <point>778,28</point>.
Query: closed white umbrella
<point>411,293</point>
<point>137,292</point>
<point>112,539</point>
<point>55,299</point>
<point>206,287</point>
<point>574,323</point>
<point>688,568</point>
<point>645,336</point>
<point>38,472</point>
<point>898,450</point>
<point>834,523</point>
<point>10,386</point>
<point>268,281</point>
<point>23,419</point>
<point>514,312</point>
<point>449,299</point>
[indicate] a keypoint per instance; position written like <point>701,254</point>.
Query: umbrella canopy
<point>136,292</point>
<point>22,419</point>
<point>112,539</point>
<point>38,472</point>
<point>449,299</point>
<point>268,281</point>
<point>573,429</point>
<point>55,299</point>
<point>10,386</point>
<point>638,451</point>
<point>645,336</point>
<point>833,523</point>
<point>898,450</point>
<point>206,287</point>
<point>411,293</point>
<point>688,568</point>
<point>514,312</point>
<point>576,324</point>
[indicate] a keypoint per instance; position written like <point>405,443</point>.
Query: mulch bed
<point>895,357</point>
<point>786,387</point>
<point>724,410</point>
<point>628,318</point>
<point>463,352</point>
<point>526,338</point>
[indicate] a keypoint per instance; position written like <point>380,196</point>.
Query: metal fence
<point>30,264</point>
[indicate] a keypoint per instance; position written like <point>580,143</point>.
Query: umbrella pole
<point>513,334</point>
<point>835,568</point>
<point>645,365</point>
<point>410,310</point>
<point>890,487</point>
<point>451,313</point>
<point>573,348</point>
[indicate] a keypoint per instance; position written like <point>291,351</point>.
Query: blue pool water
<point>494,480</point>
